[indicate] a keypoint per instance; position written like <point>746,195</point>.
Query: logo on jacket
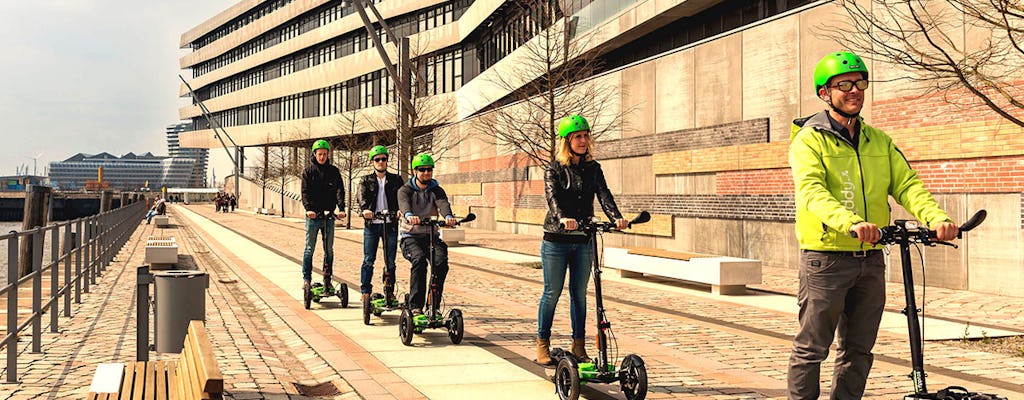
<point>847,191</point>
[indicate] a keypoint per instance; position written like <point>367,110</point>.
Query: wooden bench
<point>726,275</point>
<point>194,375</point>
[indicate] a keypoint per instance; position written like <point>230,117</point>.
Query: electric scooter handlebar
<point>912,231</point>
<point>595,224</point>
<point>441,222</point>
<point>326,215</point>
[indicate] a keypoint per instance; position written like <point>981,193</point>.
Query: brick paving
<point>694,346</point>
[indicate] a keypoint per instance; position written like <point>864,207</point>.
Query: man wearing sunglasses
<point>423,198</point>
<point>844,170</point>
<point>378,192</point>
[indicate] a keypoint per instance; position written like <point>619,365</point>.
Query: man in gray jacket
<point>418,201</point>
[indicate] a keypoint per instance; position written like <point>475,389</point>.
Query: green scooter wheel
<point>456,329</point>
<point>343,294</point>
<point>633,377</point>
<point>405,326</point>
<point>367,309</point>
<point>567,379</point>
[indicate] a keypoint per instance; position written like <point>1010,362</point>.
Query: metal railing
<point>89,245</point>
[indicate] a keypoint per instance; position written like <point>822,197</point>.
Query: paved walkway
<point>695,345</point>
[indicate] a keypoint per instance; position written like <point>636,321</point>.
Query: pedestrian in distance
<point>378,192</point>
<point>844,170</point>
<point>571,182</point>
<point>233,201</point>
<point>423,198</point>
<point>322,193</point>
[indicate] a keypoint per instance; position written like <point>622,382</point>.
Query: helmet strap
<point>828,99</point>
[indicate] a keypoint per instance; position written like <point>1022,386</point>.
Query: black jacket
<point>368,187</point>
<point>570,193</point>
<point>322,188</point>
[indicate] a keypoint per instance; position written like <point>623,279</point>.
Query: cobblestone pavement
<point>694,346</point>
<point>256,351</point>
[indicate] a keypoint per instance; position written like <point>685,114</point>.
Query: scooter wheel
<point>307,297</point>
<point>633,377</point>
<point>456,329</point>
<point>567,379</point>
<point>405,326</point>
<point>367,310</point>
<point>343,293</point>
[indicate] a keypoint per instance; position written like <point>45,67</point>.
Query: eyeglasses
<point>380,159</point>
<point>846,86</point>
<point>425,169</point>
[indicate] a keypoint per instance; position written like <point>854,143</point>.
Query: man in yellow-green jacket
<point>843,171</point>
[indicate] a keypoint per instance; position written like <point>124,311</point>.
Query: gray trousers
<point>837,291</point>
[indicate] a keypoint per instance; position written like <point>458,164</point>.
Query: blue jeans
<point>149,216</point>
<point>556,259</point>
<point>313,226</point>
<point>372,235</point>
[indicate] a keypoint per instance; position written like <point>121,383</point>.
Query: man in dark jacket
<point>419,200</point>
<point>322,192</point>
<point>378,193</point>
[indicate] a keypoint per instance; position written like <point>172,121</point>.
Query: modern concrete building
<point>201,156</point>
<point>704,92</point>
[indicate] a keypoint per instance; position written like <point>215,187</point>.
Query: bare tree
<point>281,165</point>
<point>550,80</point>
<point>430,109</point>
<point>928,38</point>
<point>349,154</point>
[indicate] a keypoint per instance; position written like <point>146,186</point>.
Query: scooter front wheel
<point>367,309</point>
<point>567,379</point>
<point>633,377</point>
<point>343,294</point>
<point>405,326</point>
<point>456,327</point>
<point>307,297</point>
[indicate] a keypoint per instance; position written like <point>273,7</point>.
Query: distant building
<point>18,183</point>
<point>200,156</point>
<point>128,172</point>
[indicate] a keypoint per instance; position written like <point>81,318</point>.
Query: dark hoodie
<point>425,203</point>
<point>322,188</point>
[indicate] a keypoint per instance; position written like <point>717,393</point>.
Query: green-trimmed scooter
<point>570,374</point>
<point>378,303</point>
<point>432,319</point>
<point>318,291</point>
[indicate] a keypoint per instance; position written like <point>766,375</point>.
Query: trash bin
<point>180,297</point>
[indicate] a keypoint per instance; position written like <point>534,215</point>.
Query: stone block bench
<point>194,375</point>
<point>452,235</point>
<point>726,275</point>
<point>161,221</point>
<point>161,252</point>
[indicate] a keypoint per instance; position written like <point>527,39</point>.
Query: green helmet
<point>572,123</point>
<point>378,150</point>
<point>422,160</point>
<point>321,144</point>
<point>837,64</point>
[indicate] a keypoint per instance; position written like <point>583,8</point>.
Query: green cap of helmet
<point>321,144</point>
<point>422,160</point>
<point>572,123</point>
<point>378,150</point>
<point>837,63</point>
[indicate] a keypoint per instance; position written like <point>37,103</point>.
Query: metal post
<point>87,246</point>
<point>405,109</point>
<point>37,290</point>
<point>68,246</point>
<point>142,278</point>
<point>79,234</point>
<point>12,309</point>
<point>54,277</point>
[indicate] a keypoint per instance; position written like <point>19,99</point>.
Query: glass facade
<point>128,172</point>
<point>197,178</point>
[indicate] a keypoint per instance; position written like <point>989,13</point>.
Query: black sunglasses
<point>380,159</point>
<point>425,169</point>
<point>846,86</point>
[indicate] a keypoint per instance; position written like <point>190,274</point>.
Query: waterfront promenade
<point>696,345</point>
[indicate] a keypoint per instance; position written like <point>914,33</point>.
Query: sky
<point>92,76</point>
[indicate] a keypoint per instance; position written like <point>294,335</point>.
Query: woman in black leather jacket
<point>570,184</point>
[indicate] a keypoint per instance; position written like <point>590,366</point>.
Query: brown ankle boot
<point>579,350</point>
<point>543,351</point>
